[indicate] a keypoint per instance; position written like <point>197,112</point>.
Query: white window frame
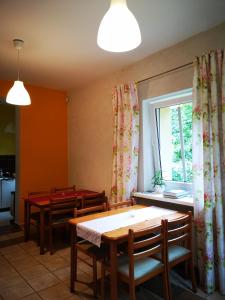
<point>171,99</point>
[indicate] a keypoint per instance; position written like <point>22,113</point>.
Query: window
<point>167,140</point>
<point>174,132</point>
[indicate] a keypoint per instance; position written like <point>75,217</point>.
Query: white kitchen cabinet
<point>7,186</point>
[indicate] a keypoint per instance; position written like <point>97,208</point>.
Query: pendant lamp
<point>18,95</point>
<point>118,30</point>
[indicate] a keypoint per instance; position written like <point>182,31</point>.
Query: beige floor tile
<point>15,235</point>
<point>30,247</point>
<point>7,270</point>
<point>74,297</point>
<point>28,244</point>
<point>24,263</point>
<point>58,292</point>
<point>4,237</point>
<point>32,297</point>
<point>63,274</point>
<point>10,279</point>
<point>84,267</point>
<point>16,291</point>
<point>5,265</point>
<point>87,295</point>
<point>14,257</point>
<point>52,262</point>
<point>11,249</point>
<point>33,272</point>
<point>84,282</point>
<point>65,253</point>
<point>42,282</point>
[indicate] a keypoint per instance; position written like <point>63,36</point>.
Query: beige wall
<point>90,111</point>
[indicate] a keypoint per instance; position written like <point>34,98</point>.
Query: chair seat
<point>92,250</point>
<point>142,267</point>
<point>175,252</point>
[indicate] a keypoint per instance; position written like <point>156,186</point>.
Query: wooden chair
<point>87,248</point>
<point>60,211</point>
<point>34,217</point>
<point>64,189</point>
<point>179,244</point>
<point>139,265</point>
<point>121,204</point>
<point>94,199</point>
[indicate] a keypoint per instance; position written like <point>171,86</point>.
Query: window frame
<point>180,97</point>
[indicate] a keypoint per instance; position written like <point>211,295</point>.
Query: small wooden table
<point>114,238</point>
<point>42,203</point>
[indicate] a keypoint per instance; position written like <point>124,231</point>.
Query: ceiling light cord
<point>18,64</point>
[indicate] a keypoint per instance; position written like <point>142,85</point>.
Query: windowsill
<point>188,201</point>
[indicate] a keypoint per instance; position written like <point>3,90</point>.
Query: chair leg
<point>50,240</point>
<point>102,281</point>
<point>132,291</point>
<point>194,287</point>
<point>168,283</point>
<point>38,235</point>
<point>75,263</point>
<point>166,286</point>
<point>94,262</point>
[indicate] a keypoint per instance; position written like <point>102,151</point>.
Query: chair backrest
<point>89,210</point>
<point>64,189</point>
<point>121,204</point>
<point>62,206</point>
<point>38,194</point>
<point>94,199</point>
<point>179,231</point>
<point>146,243</point>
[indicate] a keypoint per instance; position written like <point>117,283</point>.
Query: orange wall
<point>42,141</point>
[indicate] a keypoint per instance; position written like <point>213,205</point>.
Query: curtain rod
<point>166,72</point>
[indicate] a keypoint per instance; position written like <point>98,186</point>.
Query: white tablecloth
<point>92,230</point>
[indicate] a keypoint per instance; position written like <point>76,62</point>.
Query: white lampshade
<point>18,95</point>
<point>118,30</point>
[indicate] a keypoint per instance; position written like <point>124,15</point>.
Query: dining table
<point>112,227</point>
<point>42,202</point>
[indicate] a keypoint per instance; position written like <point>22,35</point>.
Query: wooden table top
<point>121,233</point>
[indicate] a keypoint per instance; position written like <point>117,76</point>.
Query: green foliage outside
<point>186,115</point>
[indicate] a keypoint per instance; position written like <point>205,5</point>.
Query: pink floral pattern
<point>208,167</point>
<point>125,141</point>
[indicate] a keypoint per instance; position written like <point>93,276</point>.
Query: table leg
<point>26,221</point>
<point>42,230</point>
<point>113,271</point>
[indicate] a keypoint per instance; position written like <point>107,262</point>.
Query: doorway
<point>7,163</point>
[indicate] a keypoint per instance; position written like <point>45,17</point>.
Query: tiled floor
<point>24,274</point>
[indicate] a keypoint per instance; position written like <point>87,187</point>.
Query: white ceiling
<point>60,48</point>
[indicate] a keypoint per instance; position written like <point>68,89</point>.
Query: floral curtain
<point>125,141</point>
<point>209,167</point>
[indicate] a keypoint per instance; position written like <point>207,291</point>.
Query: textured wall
<point>90,111</point>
